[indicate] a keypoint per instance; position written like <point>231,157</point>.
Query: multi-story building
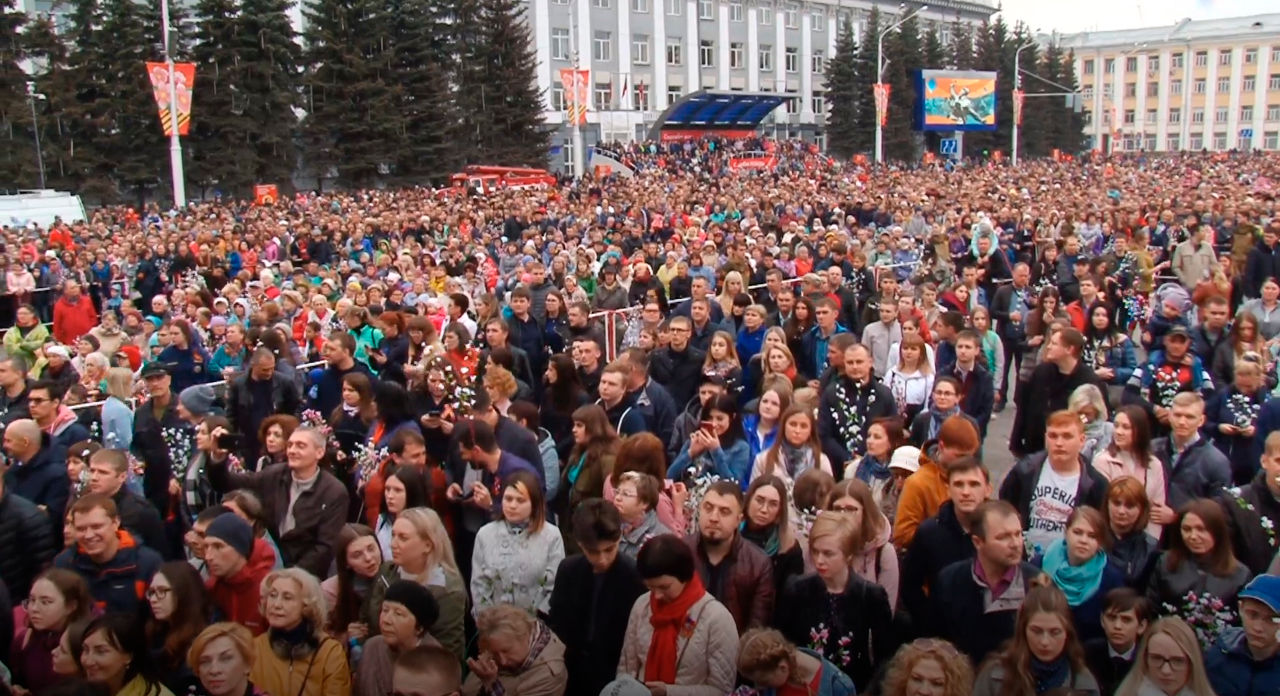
<point>1212,84</point>
<point>645,54</point>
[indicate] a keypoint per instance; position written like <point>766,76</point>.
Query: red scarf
<point>667,620</point>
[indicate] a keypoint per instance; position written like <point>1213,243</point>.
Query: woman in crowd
<point>590,462</point>
<point>779,667</point>
<point>391,354</point>
<point>351,420</point>
<point>367,336</point>
<point>222,659</point>
<point>874,559</point>
<point>1040,319</point>
<point>795,450</point>
<point>1133,549</point>
<point>1199,560</point>
<point>1129,454</point>
<point>910,379</point>
<point>776,359</point>
<point>911,327</point>
<point>722,360</point>
<point>274,434</point>
<point>432,400</point>
<point>187,359</point>
<point>802,319</point>
<point>295,655</point>
<point>1231,415</point>
<point>644,453</point>
<point>117,414</point>
<point>348,594</point>
<point>678,634</point>
<point>501,386</point>
<point>407,615</point>
<point>1243,338</point>
<point>561,397</point>
<point>519,655</point>
<point>27,335</point>
<point>1043,655</point>
<point>58,599</point>
<point>179,612</point>
<point>1168,663</point>
<point>1266,309</point>
<point>457,349</point>
<point>516,557</point>
<point>636,498</point>
<point>761,427</point>
<point>767,524</point>
<point>850,617</point>
<point>1087,403</point>
<point>404,488</point>
<point>928,667</point>
<point>424,343</point>
<point>93,375</point>
<point>114,657</point>
<point>1106,349</point>
<point>197,491</point>
<point>1078,564</point>
<point>717,447</point>
<point>884,437</point>
<point>422,551</point>
<point>992,346</point>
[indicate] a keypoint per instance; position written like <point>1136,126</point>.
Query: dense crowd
<point>687,432</point>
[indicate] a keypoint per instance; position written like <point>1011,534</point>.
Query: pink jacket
<point>878,563</point>
<point>1113,466</point>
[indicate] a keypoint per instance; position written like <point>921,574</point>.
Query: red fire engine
<point>487,180</point>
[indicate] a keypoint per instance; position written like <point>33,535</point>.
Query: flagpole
<point>577,65</point>
<point>175,144</point>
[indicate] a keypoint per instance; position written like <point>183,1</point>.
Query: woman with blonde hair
<point>295,656</point>
<point>795,450</point>
<point>590,462</point>
<point>221,657</point>
<point>928,667</point>
<point>502,387</point>
<point>911,379</point>
<point>778,666</point>
<point>422,551</point>
<point>729,289</point>
<point>1168,662</point>
<point>117,415</point>
<point>1087,403</point>
<point>1042,656</point>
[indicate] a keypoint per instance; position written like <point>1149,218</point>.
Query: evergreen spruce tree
<point>903,49</point>
<point>353,126</point>
<point>269,80</point>
<point>842,96</point>
<point>935,58</point>
<point>961,45</point>
<point>83,88</point>
<point>48,55</point>
<point>513,129</point>
<point>989,55</point>
<point>17,149</point>
<point>221,158</point>
<point>863,95</point>
<point>1073,139</point>
<point>421,36</point>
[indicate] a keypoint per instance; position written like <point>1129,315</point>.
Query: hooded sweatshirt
<point>236,597</point>
<point>878,561</point>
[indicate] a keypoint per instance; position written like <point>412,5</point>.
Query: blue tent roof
<point>708,109</point>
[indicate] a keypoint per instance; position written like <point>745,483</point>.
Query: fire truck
<point>486,180</point>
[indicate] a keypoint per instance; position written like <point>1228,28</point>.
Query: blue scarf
<point>871,469</point>
<point>1050,675</point>
<point>1078,583</point>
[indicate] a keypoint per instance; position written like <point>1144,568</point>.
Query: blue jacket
<point>120,583</point>
<point>222,360</point>
<point>1121,358</point>
<point>814,345</point>
<point>189,367</point>
<point>43,481</point>
<point>831,681</point>
<point>750,342</point>
<point>749,426</point>
<point>732,463</point>
<point>1233,671</point>
<point>1239,450</point>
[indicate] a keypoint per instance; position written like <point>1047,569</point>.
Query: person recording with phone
<point>717,447</point>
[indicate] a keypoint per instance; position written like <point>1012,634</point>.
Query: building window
<point>766,15</point>
<point>602,4</point>
<point>1088,118</point>
<point>736,13</point>
<point>706,9</point>
<point>675,7</point>
<point>1199,86</point>
<point>1172,143</point>
<point>602,46</point>
<point>1220,141</point>
<point>675,51</point>
<point>1273,112</point>
<point>819,104</point>
<point>1224,85</point>
<point>557,98</point>
<point>793,17</point>
<point>1246,113</point>
<point>1175,115</point>
<point>1220,114</point>
<point>818,62</point>
<point>1224,57</point>
<point>1175,86</point>
<point>1275,56</point>
<point>640,49</point>
<point>1271,141</point>
<point>1087,92</point>
<point>602,96</point>
<point>1250,56</point>
<point>793,60</point>
<point>1248,83</point>
<point>766,57</point>
<point>560,44</point>
<point>1149,142</point>
<point>1129,117</point>
<point>1202,59</point>
<point>1153,89</point>
<point>1109,66</point>
<point>1197,115</point>
<point>673,94</point>
<point>640,6</point>
<point>736,52</point>
<point>1152,114</point>
<point>640,97</point>
<point>1130,89</point>
<point>707,54</point>
<point>818,20</point>
<point>1197,142</point>
<point>1088,67</point>
<point>1274,83</point>
<point>1131,64</point>
<point>1176,61</point>
<point>793,105</point>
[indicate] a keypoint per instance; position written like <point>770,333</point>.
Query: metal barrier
<point>214,385</point>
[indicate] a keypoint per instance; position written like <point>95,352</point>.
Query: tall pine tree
<point>271,64</point>
<point>903,49</point>
<point>935,58</point>
<point>17,150</point>
<point>221,159</point>
<point>421,31</point>
<point>842,96</point>
<point>47,55</point>
<point>863,95</point>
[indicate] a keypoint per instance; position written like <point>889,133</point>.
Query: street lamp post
<point>33,97</point>
<point>175,145</point>
<point>880,74</point>
<point>1017,85</point>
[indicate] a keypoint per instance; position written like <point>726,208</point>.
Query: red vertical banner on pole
<point>576,93</point>
<point>1018,96</point>
<point>184,80</point>
<point>881,90</point>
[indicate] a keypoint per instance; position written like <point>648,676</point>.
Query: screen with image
<point>951,100</point>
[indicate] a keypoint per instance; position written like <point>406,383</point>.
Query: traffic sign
<point>1246,132</point>
<point>949,146</point>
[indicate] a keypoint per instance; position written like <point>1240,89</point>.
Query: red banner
<point>882,90</point>
<point>753,163</point>
<point>1018,96</point>
<point>184,79</point>
<point>577,96</point>
<point>677,135</point>
<point>265,194</point>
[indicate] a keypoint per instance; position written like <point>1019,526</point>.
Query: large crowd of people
<point>687,432</point>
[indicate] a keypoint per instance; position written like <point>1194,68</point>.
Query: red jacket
<point>236,598</point>
<point>71,321</point>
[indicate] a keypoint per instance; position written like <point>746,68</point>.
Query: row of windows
<point>1250,57</point>
<point>707,11</point>
<point>1248,83</point>
<point>605,98</point>
<point>1198,114</point>
<point>602,50</point>
<point>1270,141</point>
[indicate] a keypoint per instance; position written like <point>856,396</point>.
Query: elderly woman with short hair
<point>295,656</point>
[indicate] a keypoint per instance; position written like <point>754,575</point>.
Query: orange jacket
<point>923,493</point>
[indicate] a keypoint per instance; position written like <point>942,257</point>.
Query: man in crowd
<point>1245,660</point>
<point>108,470</point>
<point>13,389</point>
<point>926,489</point>
<point>587,358</point>
<point>1250,535</point>
<point>1049,389</point>
<point>849,405</point>
<point>881,335</point>
<point>1211,332</point>
<point>1194,467</point>
<point>73,314</point>
<point>619,406</point>
<point>651,398</point>
<point>426,670</point>
<point>237,564</point>
<point>815,341</point>
<point>33,472</point>
<point>257,394</point>
<point>1009,308</point>
<point>1167,373</point>
<point>702,328</point>
<point>977,388</point>
<point>27,537</point>
<point>114,565</point>
<point>305,506</point>
<point>734,571</point>
<point>339,351</point>
<point>44,399</point>
<point>678,367</point>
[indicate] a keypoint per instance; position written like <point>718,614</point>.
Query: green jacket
<point>451,595</point>
<point>26,345</point>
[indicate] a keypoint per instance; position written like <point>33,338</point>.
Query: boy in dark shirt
<point>1125,616</point>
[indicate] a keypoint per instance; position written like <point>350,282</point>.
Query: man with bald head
<point>33,473</point>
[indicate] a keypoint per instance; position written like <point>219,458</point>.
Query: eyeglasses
<point>1176,663</point>
<point>158,592</point>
